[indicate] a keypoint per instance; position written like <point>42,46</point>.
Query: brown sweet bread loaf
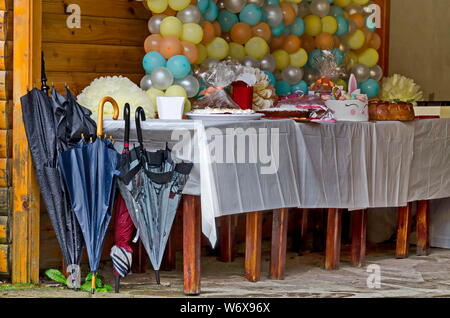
<point>380,110</point>
<point>274,113</point>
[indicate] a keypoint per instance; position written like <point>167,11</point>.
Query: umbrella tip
<point>117,284</point>
<point>158,278</point>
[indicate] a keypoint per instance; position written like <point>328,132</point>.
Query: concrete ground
<point>305,277</point>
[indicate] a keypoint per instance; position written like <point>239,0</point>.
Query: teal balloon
<point>203,5</point>
<point>313,59</point>
<point>300,88</point>
<point>298,27</point>
<point>342,26</point>
<point>271,77</point>
<point>153,60</point>
<point>371,88</point>
<point>212,12</point>
<point>226,20</point>
<point>279,29</point>
<point>275,2</point>
<point>179,66</point>
<point>336,11</point>
<point>338,55</point>
<point>282,88</point>
<point>251,14</point>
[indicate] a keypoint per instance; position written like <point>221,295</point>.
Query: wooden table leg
<point>253,237</point>
<point>279,242</point>
<point>139,262</point>
<point>191,244</point>
<point>227,238</point>
<point>403,231</point>
<point>423,228</point>
<point>169,258</point>
<point>359,233</point>
<point>304,218</point>
<point>333,244</point>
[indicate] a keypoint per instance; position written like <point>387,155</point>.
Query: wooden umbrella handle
<point>101,105</point>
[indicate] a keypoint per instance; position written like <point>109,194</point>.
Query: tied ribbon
<point>323,82</point>
<point>210,90</point>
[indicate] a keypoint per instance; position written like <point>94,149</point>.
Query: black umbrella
<point>89,170</point>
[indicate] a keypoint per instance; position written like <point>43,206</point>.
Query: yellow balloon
<point>313,25</point>
<point>187,106</point>
<point>202,54</point>
<point>352,59</point>
<point>346,15</point>
<point>369,57</point>
<point>192,32</point>
<point>218,48</point>
<point>356,40</point>
<point>171,26</point>
<point>179,5</point>
<point>341,82</point>
<point>157,6</point>
<point>281,59</point>
<point>342,3</point>
<point>329,24</point>
<point>295,1</point>
<point>176,91</point>
<point>237,51</point>
<point>153,93</point>
<point>299,58</point>
<point>256,47</point>
<point>361,2</point>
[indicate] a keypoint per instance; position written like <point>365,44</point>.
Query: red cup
<point>242,95</point>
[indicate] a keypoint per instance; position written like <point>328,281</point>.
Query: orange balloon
<point>375,41</point>
<point>190,51</point>
<point>324,41</point>
<point>262,30</point>
<point>277,42</point>
<point>217,28</point>
<point>367,34</point>
<point>241,32</point>
<point>194,2</point>
<point>308,43</point>
<point>170,11</point>
<point>152,43</point>
<point>288,13</point>
<point>208,32</point>
<point>358,18</point>
<point>170,46</point>
<point>337,42</point>
<point>291,44</point>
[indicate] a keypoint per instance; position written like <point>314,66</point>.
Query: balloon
<point>153,60</point>
<point>241,33</point>
<point>189,14</point>
<point>371,88</point>
<point>251,14</point>
<point>303,9</point>
<point>329,24</point>
<point>299,58</point>
<point>202,53</point>
<point>268,63</point>
<point>210,63</point>
<point>354,8</point>
<point>313,25</point>
<point>179,5</point>
<point>361,2</point>
<point>190,51</point>
<point>320,7</point>
<point>276,42</point>
<point>308,43</point>
<point>342,83</point>
<point>259,3</point>
<point>217,28</point>
<point>361,72</point>
<point>271,77</point>
<point>352,59</point>
<point>338,55</point>
<point>154,23</point>
<point>314,59</point>
<point>161,78</point>
<point>324,41</point>
<point>336,11</point>
<point>218,48</point>
<point>235,6</point>
<point>282,88</point>
<point>187,106</point>
<point>358,19</point>
<point>153,93</point>
<point>310,75</point>
<point>369,57</point>
<point>300,88</point>
<point>342,3</point>
<point>279,29</point>
<point>176,91</point>
<point>292,74</point>
<point>170,46</point>
<point>256,47</point>
<point>152,43</point>
<point>288,13</point>
<point>352,27</point>
<point>179,66</point>
<point>250,61</point>
<point>192,32</point>
<point>171,26</point>
<point>190,84</point>
<point>211,12</point>
<point>208,32</point>
<point>281,59</point>
<point>342,26</point>
<point>291,44</point>
<point>157,6</point>
<point>237,51</point>
<point>375,41</point>
<point>356,40</point>
<point>273,14</point>
<point>226,20</point>
<point>262,30</point>
<point>146,82</point>
<point>298,27</point>
<point>376,73</point>
<point>202,5</point>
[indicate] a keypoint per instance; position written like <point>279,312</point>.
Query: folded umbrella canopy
<point>88,170</point>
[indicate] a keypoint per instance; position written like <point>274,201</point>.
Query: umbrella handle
<point>101,105</point>
<point>140,116</point>
<point>126,117</point>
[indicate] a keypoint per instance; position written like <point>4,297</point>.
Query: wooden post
<point>423,228</point>
<point>403,231</point>
<point>227,238</point>
<point>191,244</point>
<point>169,258</point>
<point>139,262</point>
<point>333,245</point>
<point>279,241</point>
<point>384,32</point>
<point>253,237</point>
<point>304,224</point>
<point>359,233</point>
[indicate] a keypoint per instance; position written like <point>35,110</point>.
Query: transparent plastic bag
<point>311,104</point>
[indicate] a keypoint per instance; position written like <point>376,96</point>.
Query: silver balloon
<point>376,73</point>
<point>190,84</point>
<point>310,75</point>
<point>274,15</point>
<point>234,6</point>
<point>209,63</point>
<point>190,14</point>
<point>303,9</point>
<point>344,47</point>
<point>320,7</point>
<point>221,4</point>
<point>161,78</point>
<point>146,82</point>
<point>259,3</point>
<point>155,22</point>
<point>354,8</point>
<point>352,27</point>
<point>361,72</point>
<point>250,61</point>
<point>268,63</point>
<point>292,74</point>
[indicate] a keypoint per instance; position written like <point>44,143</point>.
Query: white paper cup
<point>170,107</point>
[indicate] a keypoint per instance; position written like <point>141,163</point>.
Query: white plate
<point>224,117</point>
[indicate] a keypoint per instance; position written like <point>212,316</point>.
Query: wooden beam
<point>5,173</point>
<point>5,143</point>
<point>253,238</point>
<point>6,4</point>
<point>6,114</point>
<point>6,25</point>
<point>5,201</point>
<point>279,243</point>
<point>423,228</point>
<point>191,244</point>
<point>403,231</point>
<point>4,230</point>
<point>227,239</point>
<point>359,234</point>
<point>333,249</point>
<point>4,259</point>
<point>6,56</point>
<point>384,33</point>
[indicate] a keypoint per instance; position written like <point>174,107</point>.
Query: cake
<point>381,110</point>
<point>349,110</point>
<point>285,112</point>
<point>228,111</point>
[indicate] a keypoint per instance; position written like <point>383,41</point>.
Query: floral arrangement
<point>398,88</point>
